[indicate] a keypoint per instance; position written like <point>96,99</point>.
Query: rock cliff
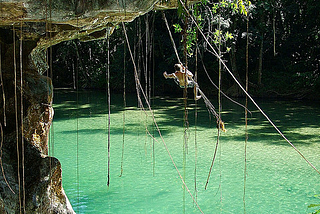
<point>30,180</point>
<point>51,22</point>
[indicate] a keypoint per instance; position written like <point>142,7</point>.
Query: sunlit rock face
<point>30,180</point>
<point>53,21</point>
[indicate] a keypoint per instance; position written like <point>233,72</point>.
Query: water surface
<point>278,179</point>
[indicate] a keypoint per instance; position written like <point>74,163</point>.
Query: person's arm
<point>171,76</point>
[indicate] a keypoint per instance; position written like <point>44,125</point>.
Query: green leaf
<point>177,28</point>
<point>215,8</point>
<point>224,4</point>
<point>204,2</point>
<point>228,36</point>
<point>313,205</point>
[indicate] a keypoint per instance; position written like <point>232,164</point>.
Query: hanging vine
<point>246,119</point>
<point>139,87</point>
<point>151,56</point>
<point>77,126</point>
<point>185,101</point>
<point>16,117</point>
<point>3,93</point>
<point>22,127</point>
<point>242,89</point>
<point>109,104</point>
<point>195,10</point>
<point>124,108</point>
<point>4,123</point>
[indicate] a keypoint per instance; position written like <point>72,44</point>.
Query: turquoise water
<point>278,179</point>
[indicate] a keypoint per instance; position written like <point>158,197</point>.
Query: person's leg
<point>195,91</point>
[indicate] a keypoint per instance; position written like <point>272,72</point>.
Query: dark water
<point>278,179</point>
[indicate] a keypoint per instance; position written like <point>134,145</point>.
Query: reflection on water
<point>278,179</point>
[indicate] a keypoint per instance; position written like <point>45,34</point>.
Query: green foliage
<point>191,34</point>
<point>275,25</point>
<point>219,10</point>
<point>228,36</point>
<point>241,7</point>
<point>180,10</point>
<point>191,38</point>
<point>295,66</point>
<point>177,28</point>
<point>315,205</point>
<point>236,6</point>
<point>84,64</point>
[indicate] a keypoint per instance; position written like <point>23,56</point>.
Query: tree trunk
<point>81,67</point>
<point>234,90</point>
<point>260,62</point>
<point>233,61</point>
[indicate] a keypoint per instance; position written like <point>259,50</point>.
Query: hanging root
<point>211,108</point>
<point>1,163</point>
<point>213,159</point>
<point>209,105</point>
<point>5,124</point>
<point>109,104</point>
<point>246,93</point>
<point>139,87</point>
<point>3,94</point>
<point>124,107</point>
<point>226,96</point>
<point>171,38</point>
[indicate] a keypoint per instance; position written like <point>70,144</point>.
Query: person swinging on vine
<point>182,80</point>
